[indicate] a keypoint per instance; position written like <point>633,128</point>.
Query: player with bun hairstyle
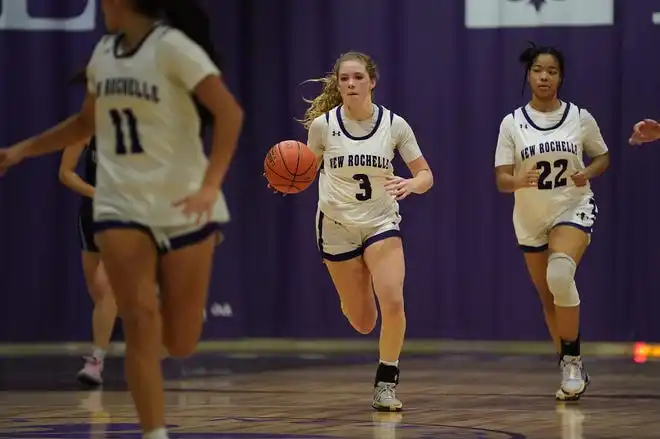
<point>357,220</point>
<point>152,86</point>
<point>539,158</point>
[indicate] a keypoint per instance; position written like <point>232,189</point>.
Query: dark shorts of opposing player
<point>168,238</point>
<point>86,232</point>
<point>338,243</point>
<point>533,238</point>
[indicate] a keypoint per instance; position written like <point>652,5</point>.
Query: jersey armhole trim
<point>165,29</point>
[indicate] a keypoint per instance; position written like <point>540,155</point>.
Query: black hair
<point>528,58</point>
<point>191,19</point>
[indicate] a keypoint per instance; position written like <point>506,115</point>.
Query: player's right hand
<point>528,179</point>
<point>9,157</point>
<point>275,191</point>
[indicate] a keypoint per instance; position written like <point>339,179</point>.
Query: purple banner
<point>450,68</point>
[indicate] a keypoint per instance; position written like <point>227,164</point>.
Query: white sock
<point>159,433</point>
<point>98,353</point>
<point>390,363</point>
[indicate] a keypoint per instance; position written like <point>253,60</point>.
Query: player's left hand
<point>580,178</point>
<point>398,187</point>
<point>200,203</point>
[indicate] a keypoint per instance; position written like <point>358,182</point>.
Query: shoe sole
<point>389,409</point>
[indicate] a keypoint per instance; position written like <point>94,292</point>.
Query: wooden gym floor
<point>243,395</point>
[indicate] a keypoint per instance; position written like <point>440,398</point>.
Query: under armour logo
<point>336,133</point>
<point>525,126</point>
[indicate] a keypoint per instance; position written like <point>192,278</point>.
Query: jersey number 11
<point>122,121</point>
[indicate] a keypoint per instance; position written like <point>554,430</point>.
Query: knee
<point>560,277</point>
<point>100,288</point>
<point>181,341</point>
<point>179,345</point>
<point>364,325</point>
<point>103,295</point>
<point>179,350</point>
<point>364,322</point>
<point>364,329</point>
<point>390,299</point>
<point>137,310</point>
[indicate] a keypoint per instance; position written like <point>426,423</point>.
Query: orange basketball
<point>290,167</point>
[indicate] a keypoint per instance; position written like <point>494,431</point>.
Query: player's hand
<point>398,187</point>
<point>275,191</point>
<point>647,130</point>
<point>200,203</point>
<point>580,178</point>
<point>528,179</point>
<point>9,157</point>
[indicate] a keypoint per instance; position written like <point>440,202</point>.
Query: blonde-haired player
<point>358,215</point>
<point>539,158</point>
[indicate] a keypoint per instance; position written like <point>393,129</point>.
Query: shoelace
<point>386,390</point>
<point>572,370</point>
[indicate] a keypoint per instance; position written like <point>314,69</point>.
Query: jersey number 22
<point>123,121</point>
<point>546,169</point>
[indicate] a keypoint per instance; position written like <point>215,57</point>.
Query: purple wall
<point>466,279</point>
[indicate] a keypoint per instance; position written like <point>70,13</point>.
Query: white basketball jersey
<point>354,172</point>
<point>557,151</point>
<point>147,128</point>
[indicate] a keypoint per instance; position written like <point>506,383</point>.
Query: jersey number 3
<point>365,185</point>
<point>546,169</point>
<point>125,121</point>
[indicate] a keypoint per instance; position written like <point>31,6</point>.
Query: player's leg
<point>383,255</point>
<point>536,260</point>
<point>567,245</point>
<point>130,258</point>
<point>103,317</point>
<point>341,249</point>
<point>104,310</point>
<point>184,276</point>
<point>568,241</point>
<point>352,282</point>
<point>532,237</point>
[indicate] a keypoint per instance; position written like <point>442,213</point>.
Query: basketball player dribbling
<point>158,205</point>
<point>105,308</point>
<point>539,157</point>
<point>358,214</point>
